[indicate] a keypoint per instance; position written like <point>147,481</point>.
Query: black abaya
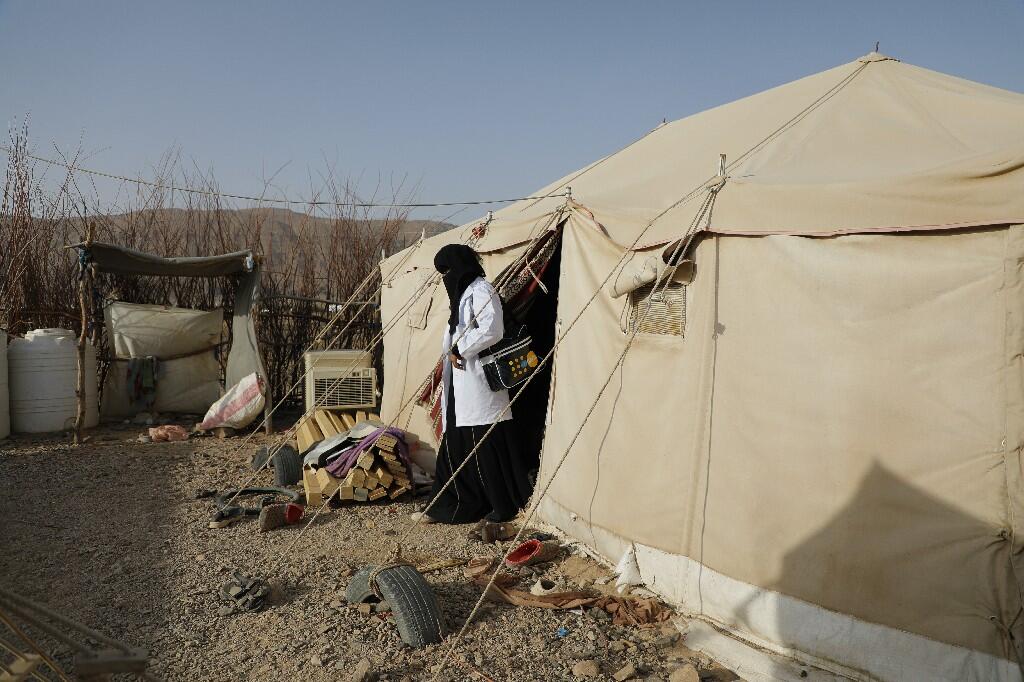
<point>493,485</point>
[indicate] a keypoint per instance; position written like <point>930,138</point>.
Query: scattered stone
<point>382,607</point>
<point>315,660</point>
<point>365,609</point>
<point>361,673</point>
<point>687,673</point>
<point>225,610</point>
<point>665,641</point>
<point>626,672</point>
<point>588,668</point>
<point>335,604</point>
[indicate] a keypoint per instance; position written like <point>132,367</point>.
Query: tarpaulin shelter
<point>244,355</point>
<point>815,443</point>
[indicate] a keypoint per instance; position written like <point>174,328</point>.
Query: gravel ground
<point>111,534</point>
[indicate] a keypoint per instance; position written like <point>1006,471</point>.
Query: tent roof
<point>125,261</point>
<point>873,145</point>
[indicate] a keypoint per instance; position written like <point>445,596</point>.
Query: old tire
<point>287,466</point>
<point>410,597</point>
<point>358,590</point>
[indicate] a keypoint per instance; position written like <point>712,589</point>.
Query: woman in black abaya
<point>494,486</point>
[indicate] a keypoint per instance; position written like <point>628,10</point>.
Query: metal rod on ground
<point>25,602</point>
<point>12,650</point>
<point>43,626</point>
<point>35,647</point>
<point>27,609</point>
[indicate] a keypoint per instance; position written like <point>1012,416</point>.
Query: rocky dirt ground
<point>111,534</point>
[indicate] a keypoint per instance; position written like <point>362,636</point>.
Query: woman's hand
<point>458,362</point>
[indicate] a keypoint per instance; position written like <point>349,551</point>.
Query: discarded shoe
<point>276,515</point>
<point>245,593</point>
<point>532,552</point>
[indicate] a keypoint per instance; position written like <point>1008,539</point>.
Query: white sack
<point>239,407</point>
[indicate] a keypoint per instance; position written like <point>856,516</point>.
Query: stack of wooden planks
<point>323,424</point>
<point>378,473</point>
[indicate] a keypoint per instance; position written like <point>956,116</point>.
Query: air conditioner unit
<point>340,380</point>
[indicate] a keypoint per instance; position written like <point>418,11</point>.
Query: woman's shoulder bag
<point>512,361</point>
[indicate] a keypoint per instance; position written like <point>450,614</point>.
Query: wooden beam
<point>326,424</point>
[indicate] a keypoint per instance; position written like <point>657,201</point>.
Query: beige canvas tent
<point>814,445</point>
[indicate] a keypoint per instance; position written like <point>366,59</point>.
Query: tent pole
<point>84,290</point>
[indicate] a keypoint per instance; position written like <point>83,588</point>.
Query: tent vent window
<point>667,313</point>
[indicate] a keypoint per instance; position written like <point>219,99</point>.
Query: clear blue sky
<point>471,100</point>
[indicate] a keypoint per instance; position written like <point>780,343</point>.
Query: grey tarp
<point>244,356</point>
<point>125,261</point>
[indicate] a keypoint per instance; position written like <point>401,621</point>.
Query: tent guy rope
<point>535,504</point>
<point>396,555</point>
<point>713,185</point>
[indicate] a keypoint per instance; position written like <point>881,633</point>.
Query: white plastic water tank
<point>42,375</point>
<point>5,411</point>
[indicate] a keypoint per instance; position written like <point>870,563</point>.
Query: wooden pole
<point>84,289</point>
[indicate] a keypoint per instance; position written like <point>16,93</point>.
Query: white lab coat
<point>480,326</point>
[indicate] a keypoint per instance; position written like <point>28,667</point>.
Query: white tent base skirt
<point>765,635</point>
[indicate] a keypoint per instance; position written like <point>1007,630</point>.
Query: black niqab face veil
<point>460,266</point>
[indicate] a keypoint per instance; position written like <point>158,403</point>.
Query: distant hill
<point>280,228</point>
